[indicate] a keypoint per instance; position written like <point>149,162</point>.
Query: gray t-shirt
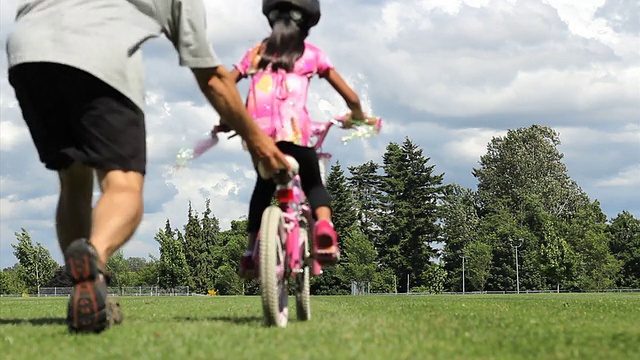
<point>103,37</point>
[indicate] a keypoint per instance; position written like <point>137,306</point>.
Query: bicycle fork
<point>289,198</point>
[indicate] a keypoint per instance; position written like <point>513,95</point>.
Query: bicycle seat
<point>282,177</point>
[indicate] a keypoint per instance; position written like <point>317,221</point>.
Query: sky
<point>448,74</point>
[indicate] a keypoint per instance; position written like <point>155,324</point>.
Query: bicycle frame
<point>295,213</point>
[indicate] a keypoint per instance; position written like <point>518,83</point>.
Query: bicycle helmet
<point>275,9</point>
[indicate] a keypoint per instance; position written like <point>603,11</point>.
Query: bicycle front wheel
<point>273,279</point>
<point>303,301</point>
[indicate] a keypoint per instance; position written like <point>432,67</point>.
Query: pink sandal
<point>325,244</point>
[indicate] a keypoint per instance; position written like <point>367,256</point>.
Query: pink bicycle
<point>282,249</point>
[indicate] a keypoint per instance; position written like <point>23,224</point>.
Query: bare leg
<point>118,212</point>
<point>323,213</point>
<point>73,215</point>
<point>114,219</point>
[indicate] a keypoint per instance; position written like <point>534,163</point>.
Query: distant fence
<point>511,292</point>
<point>356,289</point>
<point>123,291</point>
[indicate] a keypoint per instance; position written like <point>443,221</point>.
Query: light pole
<point>37,272</point>
<point>462,256</point>
<point>517,273</point>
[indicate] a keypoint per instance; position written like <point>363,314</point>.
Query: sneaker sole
<point>87,310</point>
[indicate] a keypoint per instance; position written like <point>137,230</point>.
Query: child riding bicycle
<point>280,68</point>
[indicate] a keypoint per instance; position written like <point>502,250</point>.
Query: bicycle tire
<point>303,291</point>
<point>273,286</point>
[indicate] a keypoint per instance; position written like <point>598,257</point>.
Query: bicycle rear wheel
<point>273,278</point>
<point>303,296</point>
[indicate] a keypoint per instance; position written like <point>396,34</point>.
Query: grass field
<point>542,326</point>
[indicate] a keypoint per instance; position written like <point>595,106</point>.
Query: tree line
<point>402,228</point>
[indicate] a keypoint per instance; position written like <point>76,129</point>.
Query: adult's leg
<point>108,136</point>
<point>118,212</point>
<point>73,214</point>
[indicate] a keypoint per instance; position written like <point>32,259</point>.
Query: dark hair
<point>285,45</point>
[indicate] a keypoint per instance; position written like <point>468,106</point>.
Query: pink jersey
<point>278,100</point>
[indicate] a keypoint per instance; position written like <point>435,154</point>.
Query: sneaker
<point>89,309</point>
<point>248,267</point>
<point>325,243</point>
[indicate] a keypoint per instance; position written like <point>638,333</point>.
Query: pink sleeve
<point>322,62</point>
<point>246,61</point>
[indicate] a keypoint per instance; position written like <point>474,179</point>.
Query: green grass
<point>543,326</point>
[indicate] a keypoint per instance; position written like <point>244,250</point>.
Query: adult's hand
<point>264,151</point>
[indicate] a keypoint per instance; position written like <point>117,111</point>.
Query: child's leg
<point>325,237</point>
<point>260,200</point>
<point>310,179</point>
<point>323,212</point>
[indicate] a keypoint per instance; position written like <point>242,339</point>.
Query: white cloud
<point>627,177</point>
<point>448,74</point>
<point>470,144</point>
<point>12,135</point>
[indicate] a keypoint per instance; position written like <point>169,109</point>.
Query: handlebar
<point>319,130</point>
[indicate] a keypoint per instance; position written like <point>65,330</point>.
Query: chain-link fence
<point>120,291</point>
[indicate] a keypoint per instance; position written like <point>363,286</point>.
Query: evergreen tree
<point>409,194</point>
<point>364,184</point>
<point>212,244</point>
<point>342,202</point>
<point>197,254</point>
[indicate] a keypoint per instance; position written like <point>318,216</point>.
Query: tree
<point>364,183</point>
<point>234,241</point>
<point>37,266</point>
<point>435,278</point>
<point>172,266</point>
<point>359,264</point>
<point>60,278</point>
<point>460,226</point>
<point>499,228</point>
<point>409,194</point>
<point>597,267</point>
<point>149,274</point>
<point>198,254</point>
<point>478,256</point>
<point>136,264</point>
<point>213,245</point>
<point>625,247</point>
<point>556,258</point>
<point>118,269</point>
<point>524,192</point>
<point>11,282</point>
<point>527,162</point>
<point>344,213</point>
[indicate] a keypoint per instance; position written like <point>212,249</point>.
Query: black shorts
<point>75,117</point>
